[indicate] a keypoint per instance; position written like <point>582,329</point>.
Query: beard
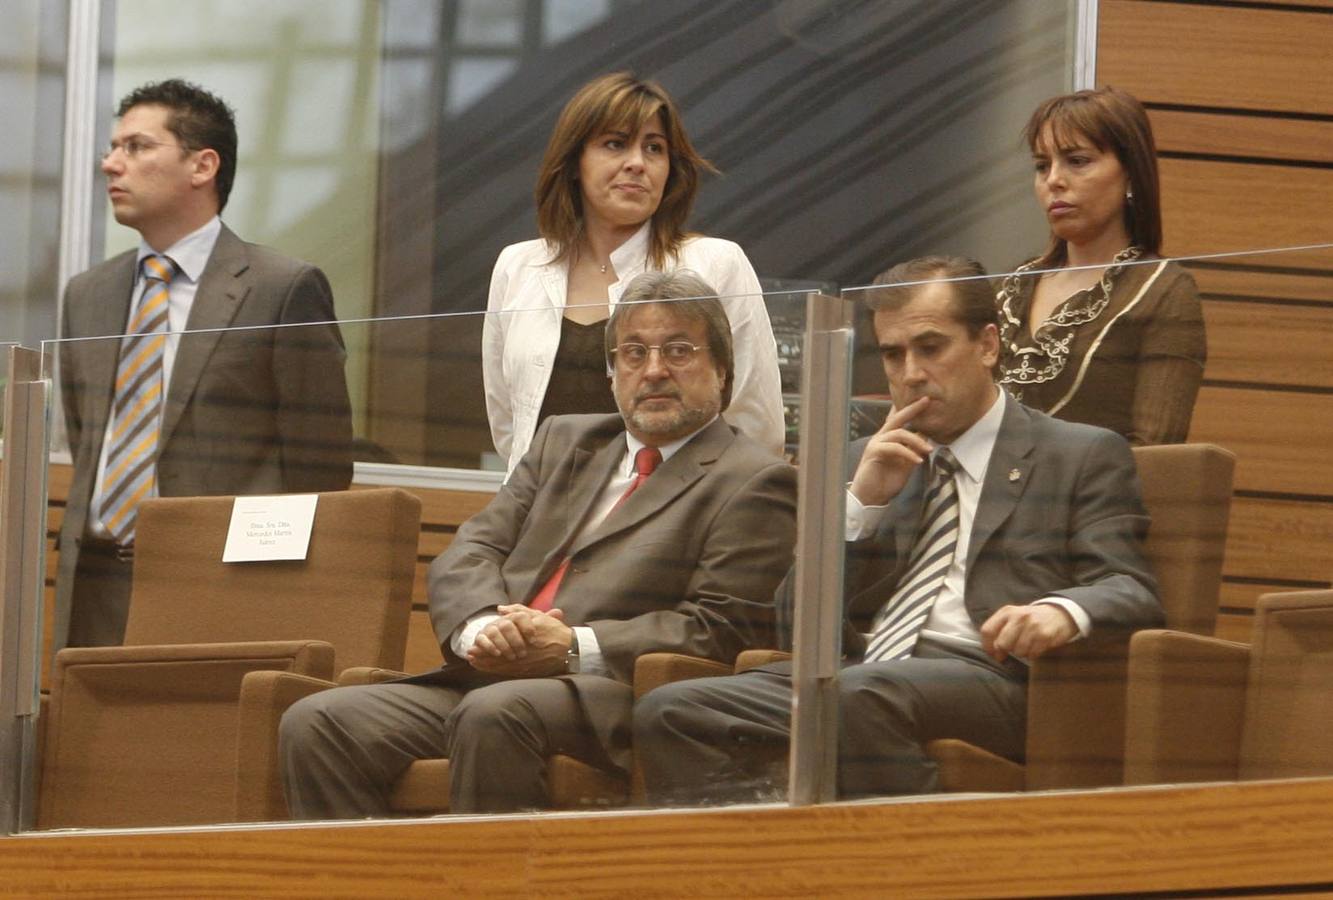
<point>673,423</point>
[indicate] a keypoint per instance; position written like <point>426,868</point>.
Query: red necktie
<point>645,461</point>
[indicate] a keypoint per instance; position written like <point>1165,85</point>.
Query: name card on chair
<point>269,528</point>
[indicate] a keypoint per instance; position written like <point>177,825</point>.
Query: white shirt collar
<point>973,447</point>
<point>190,253</point>
<point>633,254</point>
<point>634,445</point>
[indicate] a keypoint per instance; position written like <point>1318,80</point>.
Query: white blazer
<point>522,331</point>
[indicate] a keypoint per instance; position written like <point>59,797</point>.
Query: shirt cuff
<point>465,635</point>
<point>590,652</point>
<point>861,520</point>
<point>1082,620</point>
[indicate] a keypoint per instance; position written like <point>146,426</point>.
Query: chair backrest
<point>1286,733</point>
<point>1187,490</point>
<point>353,589</point>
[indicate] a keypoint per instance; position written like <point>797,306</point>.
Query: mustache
<point>656,393</point>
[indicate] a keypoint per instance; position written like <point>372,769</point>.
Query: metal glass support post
<point>817,641</point>
<point>23,510</point>
<point>1085,45</point>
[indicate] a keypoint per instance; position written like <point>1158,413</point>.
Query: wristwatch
<point>572,656</point>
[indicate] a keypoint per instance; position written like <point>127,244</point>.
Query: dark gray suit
<point>688,564</point>
<point>1059,514</point>
<point>259,411</point>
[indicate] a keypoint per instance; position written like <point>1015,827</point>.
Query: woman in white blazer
<point>615,188</point>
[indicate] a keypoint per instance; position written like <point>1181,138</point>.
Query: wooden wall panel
<point>1280,439</point>
<point>1219,56</point>
<point>1213,207</point>
<point>1280,540</point>
<point>1254,283</point>
<point>1269,343</point>
<point>1177,131</point>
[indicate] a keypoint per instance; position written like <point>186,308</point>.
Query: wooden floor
<point>1256,839</point>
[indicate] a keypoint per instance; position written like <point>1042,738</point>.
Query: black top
<point>579,383</point>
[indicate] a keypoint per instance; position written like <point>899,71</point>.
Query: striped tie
<point>131,461</point>
<point>899,622</point>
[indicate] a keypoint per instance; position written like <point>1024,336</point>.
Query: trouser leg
<point>888,711</point>
<point>714,740</point>
<point>724,739</point>
<point>99,600</point>
<point>501,735</point>
<point>341,750</point>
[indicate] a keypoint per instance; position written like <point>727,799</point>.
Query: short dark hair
<point>1115,122</point>
<point>973,298</point>
<point>702,305</point>
<point>198,119</point>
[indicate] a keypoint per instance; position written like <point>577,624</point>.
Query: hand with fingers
<point>890,457</point>
<point>1026,631</point>
<point>522,643</point>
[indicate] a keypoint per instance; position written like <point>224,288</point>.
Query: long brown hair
<point>619,101</point>
<point>1114,122</point>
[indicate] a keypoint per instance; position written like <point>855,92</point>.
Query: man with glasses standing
<point>658,529</point>
<point>256,410</point>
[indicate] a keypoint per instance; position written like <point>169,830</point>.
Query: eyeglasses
<point>676,354</point>
<point>134,145</point>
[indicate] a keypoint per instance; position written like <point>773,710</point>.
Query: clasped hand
<point>522,643</point>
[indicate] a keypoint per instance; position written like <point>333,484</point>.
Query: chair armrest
<point>145,735</point>
<point>964,768</point>
<point>368,675</point>
<point>1185,709</point>
<point>307,657</point>
<point>1076,715</point>
<point>265,696</point>
<point>652,670</point>
<point>753,659</point>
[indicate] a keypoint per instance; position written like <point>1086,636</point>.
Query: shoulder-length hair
<point>1115,122</point>
<point>620,101</point>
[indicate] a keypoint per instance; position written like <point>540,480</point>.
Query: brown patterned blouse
<point>1126,354</point>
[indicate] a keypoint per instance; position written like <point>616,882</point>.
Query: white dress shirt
<point>949,622</point>
<point>190,254</point>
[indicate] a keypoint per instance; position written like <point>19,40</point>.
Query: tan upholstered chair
<point>424,788</point>
<point>1205,709</point>
<point>145,734</point>
<point>1076,695</point>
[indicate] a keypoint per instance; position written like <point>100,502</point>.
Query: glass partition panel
<point>997,589</point>
<point>216,649</point>
<point>201,599</point>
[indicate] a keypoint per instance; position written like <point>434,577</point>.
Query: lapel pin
<point>1014,474</point>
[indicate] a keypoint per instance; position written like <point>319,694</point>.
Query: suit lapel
<point>1007,476</point>
<point>686,466</point>
<point>100,358</point>
<point>555,281</point>
<point>589,472</point>
<point>217,298</point>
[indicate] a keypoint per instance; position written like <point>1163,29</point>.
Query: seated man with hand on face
<point>658,529</point>
<point>980,533</point>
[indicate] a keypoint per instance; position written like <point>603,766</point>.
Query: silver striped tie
<point>900,620</point>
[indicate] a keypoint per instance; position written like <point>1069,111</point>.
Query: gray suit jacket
<point>1060,514</point>
<point>688,564</point>
<point>257,411</point>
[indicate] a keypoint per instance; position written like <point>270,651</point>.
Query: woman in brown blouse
<point>1099,329</point>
